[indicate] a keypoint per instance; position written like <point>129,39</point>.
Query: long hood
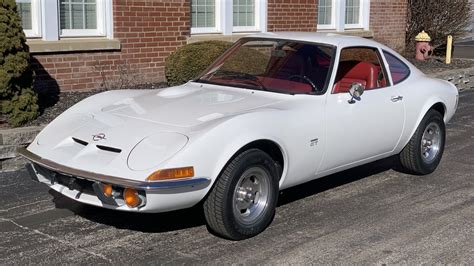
<point>102,140</point>
<point>188,105</point>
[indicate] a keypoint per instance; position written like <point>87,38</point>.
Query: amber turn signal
<point>172,173</point>
<point>107,189</point>
<point>131,198</point>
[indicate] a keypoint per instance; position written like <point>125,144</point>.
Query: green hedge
<point>191,60</point>
<point>18,101</point>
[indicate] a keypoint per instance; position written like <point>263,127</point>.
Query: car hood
<point>188,105</point>
<point>101,140</point>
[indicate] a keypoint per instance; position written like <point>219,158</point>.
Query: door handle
<point>397,98</point>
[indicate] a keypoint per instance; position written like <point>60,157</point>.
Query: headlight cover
<point>155,149</point>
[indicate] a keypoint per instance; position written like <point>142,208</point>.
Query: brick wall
<point>292,15</point>
<point>388,22</point>
<point>148,31</point>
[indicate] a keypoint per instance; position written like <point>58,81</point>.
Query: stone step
<point>19,136</point>
<point>8,151</point>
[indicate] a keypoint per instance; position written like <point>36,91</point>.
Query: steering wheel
<point>304,78</point>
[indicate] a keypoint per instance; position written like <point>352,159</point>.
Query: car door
<point>367,127</point>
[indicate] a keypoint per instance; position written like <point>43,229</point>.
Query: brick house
<point>84,44</point>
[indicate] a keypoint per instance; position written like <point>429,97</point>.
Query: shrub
<point>190,60</point>
<point>247,60</point>
<point>18,101</point>
<point>439,18</point>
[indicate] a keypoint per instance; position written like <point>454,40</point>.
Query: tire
<point>423,152</point>
<point>243,200</point>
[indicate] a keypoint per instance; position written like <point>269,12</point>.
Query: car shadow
<point>143,222</point>
<point>338,179</point>
<point>193,217</point>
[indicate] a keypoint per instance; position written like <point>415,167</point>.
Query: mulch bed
<point>68,99</point>
<point>437,64</point>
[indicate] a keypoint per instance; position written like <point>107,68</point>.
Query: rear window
<point>398,70</point>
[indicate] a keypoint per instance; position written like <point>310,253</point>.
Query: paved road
<point>371,214</point>
<point>464,49</point>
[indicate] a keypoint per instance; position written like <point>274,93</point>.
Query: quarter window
<point>398,70</point>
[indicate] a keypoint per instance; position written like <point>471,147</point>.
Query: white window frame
<point>35,31</point>
<point>224,19</point>
<point>339,17</point>
<point>218,22</point>
<point>331,26</point>
<point>259,10</point>
<point>101,22</point>
<point>45,21</point>
<point>361,12</point>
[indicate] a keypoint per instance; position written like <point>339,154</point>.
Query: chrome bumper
<point>180,185</point>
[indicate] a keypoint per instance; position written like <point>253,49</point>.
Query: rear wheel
<point>423,152</point>
<point>243,200</point>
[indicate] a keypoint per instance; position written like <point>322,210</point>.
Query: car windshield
<point>283,66</point>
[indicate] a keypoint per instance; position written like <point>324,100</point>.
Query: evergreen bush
<point>190,60</point>
<point>18,101</point>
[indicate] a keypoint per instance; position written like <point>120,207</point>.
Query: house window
<point>216,16</point>
<point>326,14</point>
<point>66,18</point>
<point>29,13</point>
<point>203,14</point>
<point>244,13</point>
<point>342,15</point>
<point>353,14</point>
<point>81,18</point>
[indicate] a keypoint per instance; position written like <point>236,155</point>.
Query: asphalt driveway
<point>370,214</point>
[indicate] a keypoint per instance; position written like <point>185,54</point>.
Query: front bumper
<point>82,186</point>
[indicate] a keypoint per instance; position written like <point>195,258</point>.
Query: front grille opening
<point>71,182</point>
<point>107,148</point>
<point>80,141</point>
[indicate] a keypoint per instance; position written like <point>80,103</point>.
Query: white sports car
<point>274,111</point>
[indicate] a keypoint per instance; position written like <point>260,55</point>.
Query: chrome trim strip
<point>184,185</point>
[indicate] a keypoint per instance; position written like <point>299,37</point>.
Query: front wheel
<point>243,200</point>
<point>423,152</point>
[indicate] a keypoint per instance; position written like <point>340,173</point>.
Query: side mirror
<point>356,90</point>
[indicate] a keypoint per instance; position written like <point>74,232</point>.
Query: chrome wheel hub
<point>430,142</point>
<point>251,195</point>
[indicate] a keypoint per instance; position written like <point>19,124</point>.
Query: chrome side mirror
<point>356,90</point>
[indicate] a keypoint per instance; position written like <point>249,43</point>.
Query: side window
<point>361,65</point>
<point>398,69</point>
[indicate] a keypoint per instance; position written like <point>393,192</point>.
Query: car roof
<point>319,37</point>
<point>337,40</point>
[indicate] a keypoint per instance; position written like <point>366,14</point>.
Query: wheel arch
<point>271,147</point>
<point>437,105</point>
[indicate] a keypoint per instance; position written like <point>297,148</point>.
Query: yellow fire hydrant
<point>423,46</point>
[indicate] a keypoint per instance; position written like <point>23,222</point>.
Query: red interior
<point>349,72</point>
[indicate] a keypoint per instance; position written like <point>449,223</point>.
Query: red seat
<point>349,72</point>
